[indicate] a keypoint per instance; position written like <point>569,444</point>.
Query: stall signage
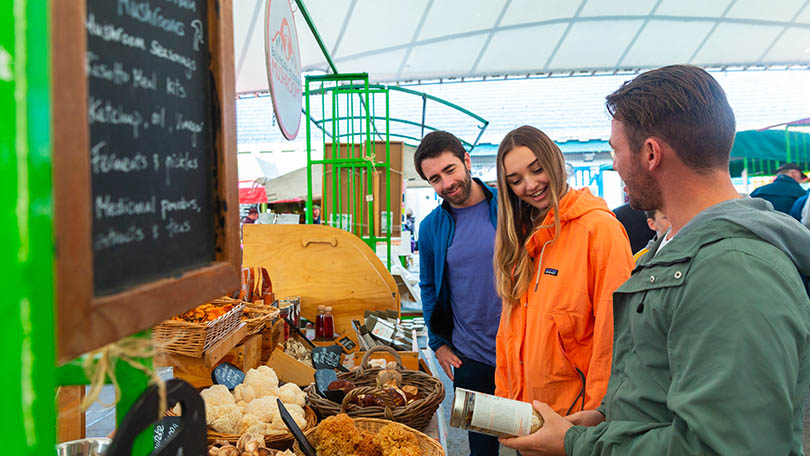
<point>326,357</point>
<point>227,374</point>
<point>165,428</point>
<point>151,141</point>
<point>283,66</point>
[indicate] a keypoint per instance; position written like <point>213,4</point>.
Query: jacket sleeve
<point>501,361</point>
<point>737,342</point>
<point>610,265</point>
<point>427,283</point>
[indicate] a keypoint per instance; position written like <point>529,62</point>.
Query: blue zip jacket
<point>435,234</point>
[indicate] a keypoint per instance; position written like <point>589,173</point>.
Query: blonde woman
<point>559,255</point>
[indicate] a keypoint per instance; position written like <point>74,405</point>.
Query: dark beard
<point>466,190</point>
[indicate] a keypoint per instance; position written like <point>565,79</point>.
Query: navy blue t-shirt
<point>476,305</point>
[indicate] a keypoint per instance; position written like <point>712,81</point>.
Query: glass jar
<point>492,415</point>
<point>328,324</point>
<point>319,323</point>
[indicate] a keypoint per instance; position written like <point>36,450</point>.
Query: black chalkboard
<point>348,344</point>
<point>227,374</point>
<point>151,120</point>
<point>327,357</point>
<point>165,428</point>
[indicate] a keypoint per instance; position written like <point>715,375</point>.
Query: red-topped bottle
<point>319,324</point>
<point>328,324</point>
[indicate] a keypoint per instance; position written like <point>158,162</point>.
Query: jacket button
<point>678,274</point>
<point>652,279</point>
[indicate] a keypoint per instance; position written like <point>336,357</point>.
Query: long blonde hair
<point>516,223</point>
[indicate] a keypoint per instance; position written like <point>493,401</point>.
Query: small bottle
<point>319,323</point>
<point>492,415</point>
<point>328,325</point>
<point>309,331</point>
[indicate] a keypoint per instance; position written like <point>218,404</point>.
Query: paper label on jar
<point>502,415</point>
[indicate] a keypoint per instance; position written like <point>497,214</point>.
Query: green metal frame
<point>350,125</point>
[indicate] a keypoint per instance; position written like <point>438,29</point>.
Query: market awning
<point>395,40</point>
<point>254,195</point>
<point>776,145</point>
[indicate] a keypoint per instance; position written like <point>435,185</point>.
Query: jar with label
<point>492,415</point>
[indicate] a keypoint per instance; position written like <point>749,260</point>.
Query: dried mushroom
<point>341,385</point>
<point>389,378</point>
<point>397,396</point>
<point>411,392</point>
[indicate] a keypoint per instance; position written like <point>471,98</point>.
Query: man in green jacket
<point>712,331</point>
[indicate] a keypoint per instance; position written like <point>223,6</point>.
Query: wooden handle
<point>361,371</point>
<point>332,242</point>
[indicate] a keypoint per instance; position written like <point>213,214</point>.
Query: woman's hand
<point>549,440</point>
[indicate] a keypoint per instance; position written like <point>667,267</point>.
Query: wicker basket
<point>417,414</point>
<point>280,441</point>
<point>257,317</point>
<point>427,445</point>
<point>192,339</point>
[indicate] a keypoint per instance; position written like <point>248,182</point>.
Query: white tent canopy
<point>395,40</point>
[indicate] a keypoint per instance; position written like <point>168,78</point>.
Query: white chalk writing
<point>174,87</point>
<point>106,206</point>
<point>109,32</point>
<point>167,206</point>
<point>174,227</point>
<point>143,11</point>
<point>189,125</point>
<point>105,163</point>
<point>163,52</point>
<point>179,161</point>
<point>113,237</point>
<point>102,111</point>
<point>141,81</point>
<point>100,70</point>
<point>185,4</point>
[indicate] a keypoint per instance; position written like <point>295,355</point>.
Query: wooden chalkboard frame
<point>84,321</point>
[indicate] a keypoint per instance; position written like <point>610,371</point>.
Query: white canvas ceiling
<point>402,40</point>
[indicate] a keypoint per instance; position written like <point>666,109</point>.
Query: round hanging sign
<point>283,65</point>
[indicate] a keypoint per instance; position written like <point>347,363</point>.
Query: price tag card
<point>227,374</point>
<point>327,357</point>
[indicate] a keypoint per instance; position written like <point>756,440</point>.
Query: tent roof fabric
<point>567,109</point>
<point>395,40</point>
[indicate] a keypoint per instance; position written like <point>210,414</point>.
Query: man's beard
<point>466,189</point>
<point>643,191</point>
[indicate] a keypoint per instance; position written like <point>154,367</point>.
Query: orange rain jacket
<point>561,335</point>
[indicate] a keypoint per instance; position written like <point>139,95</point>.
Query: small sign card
<point>227,374</point>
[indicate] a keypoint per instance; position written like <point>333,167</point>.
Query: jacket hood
<point>757,216</point>
<point>573,205</point>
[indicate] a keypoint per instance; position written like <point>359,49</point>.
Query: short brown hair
<point>684,106</point>
<point>434,144</point>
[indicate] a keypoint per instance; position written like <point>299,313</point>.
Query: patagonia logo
<point>550,271</point>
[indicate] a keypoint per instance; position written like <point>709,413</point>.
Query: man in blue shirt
<point>785,189</point>
<point>456,247</point>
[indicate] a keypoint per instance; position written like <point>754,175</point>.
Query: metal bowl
<point>84,447</point>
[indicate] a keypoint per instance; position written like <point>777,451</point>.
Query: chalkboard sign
<point>165,428</point>
<point>146,208</point>
<point>151,140</point>
<point>188,437</point>
<point>327,357</point>
<point>347,344</point>
<point>227,374</point>
<point>323,377</point>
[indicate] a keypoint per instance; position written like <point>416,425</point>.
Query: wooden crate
<point>290,369</point>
